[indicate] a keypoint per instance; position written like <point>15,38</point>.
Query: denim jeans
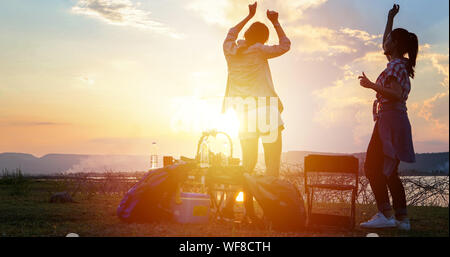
<point>376,162</point>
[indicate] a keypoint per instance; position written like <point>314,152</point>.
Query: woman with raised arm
<point>250,80</point>
<point>391,140</point>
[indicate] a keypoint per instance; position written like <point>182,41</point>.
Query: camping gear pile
<point>190,189</point>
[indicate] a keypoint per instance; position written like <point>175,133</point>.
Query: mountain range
<point>431,163</point>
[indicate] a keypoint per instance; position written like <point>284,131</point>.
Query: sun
<point>240,197</point>
<point>196,115</point>
<point>228,123</point>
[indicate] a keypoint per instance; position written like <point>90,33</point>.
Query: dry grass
<point>30,214</point>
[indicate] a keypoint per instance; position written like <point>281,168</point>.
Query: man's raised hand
<point>272,16</point>
<point>252,9</point>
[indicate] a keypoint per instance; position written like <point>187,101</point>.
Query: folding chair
<point>331,165</point>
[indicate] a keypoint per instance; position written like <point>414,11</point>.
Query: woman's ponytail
<point>412,49</point>
<point>407,43</point>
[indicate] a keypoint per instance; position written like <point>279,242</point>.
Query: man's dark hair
<point>257,33</point>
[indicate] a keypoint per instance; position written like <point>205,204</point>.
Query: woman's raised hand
<point>365,82</point>
<point>252,9</point>
<point>392,12</point>
<point>272,16</point>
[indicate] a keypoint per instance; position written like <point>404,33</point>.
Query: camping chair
<point>331,165</point>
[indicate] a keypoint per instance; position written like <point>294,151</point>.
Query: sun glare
<point>228,123</point>
<point>199,115</point>
<point>240,197</point>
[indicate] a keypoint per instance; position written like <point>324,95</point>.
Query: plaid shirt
<point>396,68</point>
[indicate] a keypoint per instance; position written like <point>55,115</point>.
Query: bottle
<point>154,156</point>
<point>204,154</point>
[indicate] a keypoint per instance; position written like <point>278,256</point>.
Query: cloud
<point>432,111</point>
<point>318,43</point>
<point>87,80</point>
<point>218,12</point>
<point>426,109</point>
<point>361,35</point>
<point>296,8</point>
<point>314,40</point>
<point>226,13</point>
<point>345,103</point>
<point>33,123</point>
<point>431,118</point>
<point>122,13</point>
<point>438,60</point>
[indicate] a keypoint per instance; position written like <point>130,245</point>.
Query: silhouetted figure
<point>391,140</point>
<point>249,77</point>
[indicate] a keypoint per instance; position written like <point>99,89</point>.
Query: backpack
<point>280,200</point>
<point>149,199</point>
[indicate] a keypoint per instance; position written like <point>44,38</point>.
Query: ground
<point>27,212</point>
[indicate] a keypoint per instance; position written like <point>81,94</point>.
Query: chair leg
<point>213,199</point>
<point>217,203</point>
<point>307,201</point>
<point>353,211</point>
<point>310,198</point>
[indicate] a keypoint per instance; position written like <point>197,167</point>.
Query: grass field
<point>26,211</point>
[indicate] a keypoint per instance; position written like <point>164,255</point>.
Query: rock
<point>61,197</point>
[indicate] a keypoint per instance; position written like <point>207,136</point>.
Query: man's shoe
<point>379,221</point>
<point>403,224</point>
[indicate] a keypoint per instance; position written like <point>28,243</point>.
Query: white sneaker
<point>379,221</point>
<point>403,224</point>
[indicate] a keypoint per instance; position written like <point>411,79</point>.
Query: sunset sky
<point>111,76</point>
